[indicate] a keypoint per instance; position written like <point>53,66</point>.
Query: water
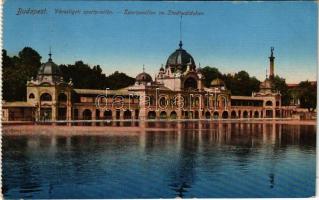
<point>215,160</point>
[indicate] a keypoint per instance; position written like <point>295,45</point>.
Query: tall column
<point>271,63</point>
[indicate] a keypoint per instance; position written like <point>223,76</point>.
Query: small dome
<point>162,69</point>
<point>49,72</point>
<point>180,59</point>
<point>143,77</point>
<point>217,82</point>
<point>49,68</point>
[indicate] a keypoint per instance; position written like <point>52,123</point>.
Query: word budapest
<point>31,11</point>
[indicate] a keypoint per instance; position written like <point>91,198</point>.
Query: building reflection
<point>243,141</point>
<point>182,173</point>
<point>181,149</point>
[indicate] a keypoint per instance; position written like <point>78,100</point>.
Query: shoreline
<point>63,130</point>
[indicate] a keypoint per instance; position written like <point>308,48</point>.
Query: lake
<point>192,159</point>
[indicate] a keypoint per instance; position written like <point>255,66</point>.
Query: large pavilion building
<point>176,92</point>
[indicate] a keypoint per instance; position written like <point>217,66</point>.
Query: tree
<point>83,76</point>
<point>210,73</point>
<point>119,80</point>
<point>280,85</point>
<point>17,71</point>
<point>241,83</point>
<point>308,95</point>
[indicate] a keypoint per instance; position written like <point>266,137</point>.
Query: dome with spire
<point>180,59</point>
<point>49,72</point>
<point>143,77</point>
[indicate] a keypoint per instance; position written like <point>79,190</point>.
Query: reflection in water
<point>272,180</point>
<point>183,172</point>
<point>199,159</point>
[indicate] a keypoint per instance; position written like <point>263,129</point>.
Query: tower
<point>50,93</point>
<point>271,63</point>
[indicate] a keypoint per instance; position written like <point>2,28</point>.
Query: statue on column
<point>272,51</point>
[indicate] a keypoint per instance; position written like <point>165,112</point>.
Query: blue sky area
<point>231,36</point>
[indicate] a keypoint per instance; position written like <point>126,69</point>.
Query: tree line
<point>18,69</point>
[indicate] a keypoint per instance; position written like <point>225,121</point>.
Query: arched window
<point>163,115</point>
<point>62,97</point>
<point>173,115</point>
<point>87,114</point>
<point>45,97</point>
<point>190,84</point>
<point>225,115</point>
<point>127,114</point>
<point>268,103</point>
<point>151,115</point>
<point>233,114</point>
<point>31,96</point>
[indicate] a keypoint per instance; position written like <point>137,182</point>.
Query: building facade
<point>176,92</point>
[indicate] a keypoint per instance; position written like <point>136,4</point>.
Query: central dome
<point>180,59</point>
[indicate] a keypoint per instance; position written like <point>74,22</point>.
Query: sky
<point>231,36</point>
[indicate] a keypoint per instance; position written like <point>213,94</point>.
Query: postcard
<point>159,99</point>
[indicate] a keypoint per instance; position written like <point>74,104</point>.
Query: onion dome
<point>49,72</point>
<point>217,82</point>
<point>143,77</point>
<point>180,59</point>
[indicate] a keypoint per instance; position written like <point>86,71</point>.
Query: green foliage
<point>239,84</point>
<point>119,80</point>
<point>308,95</point>
<point>280,85</point>
<point>242,84</point>
<point>210,74</point>
<point>17,71</point>
<point>83,76</point>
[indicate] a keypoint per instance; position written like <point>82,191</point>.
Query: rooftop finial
<point>180,44</point>
<point>266,73</point>
<point>143,68</point>
<point>180,32</point>
<point>50,55</point>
